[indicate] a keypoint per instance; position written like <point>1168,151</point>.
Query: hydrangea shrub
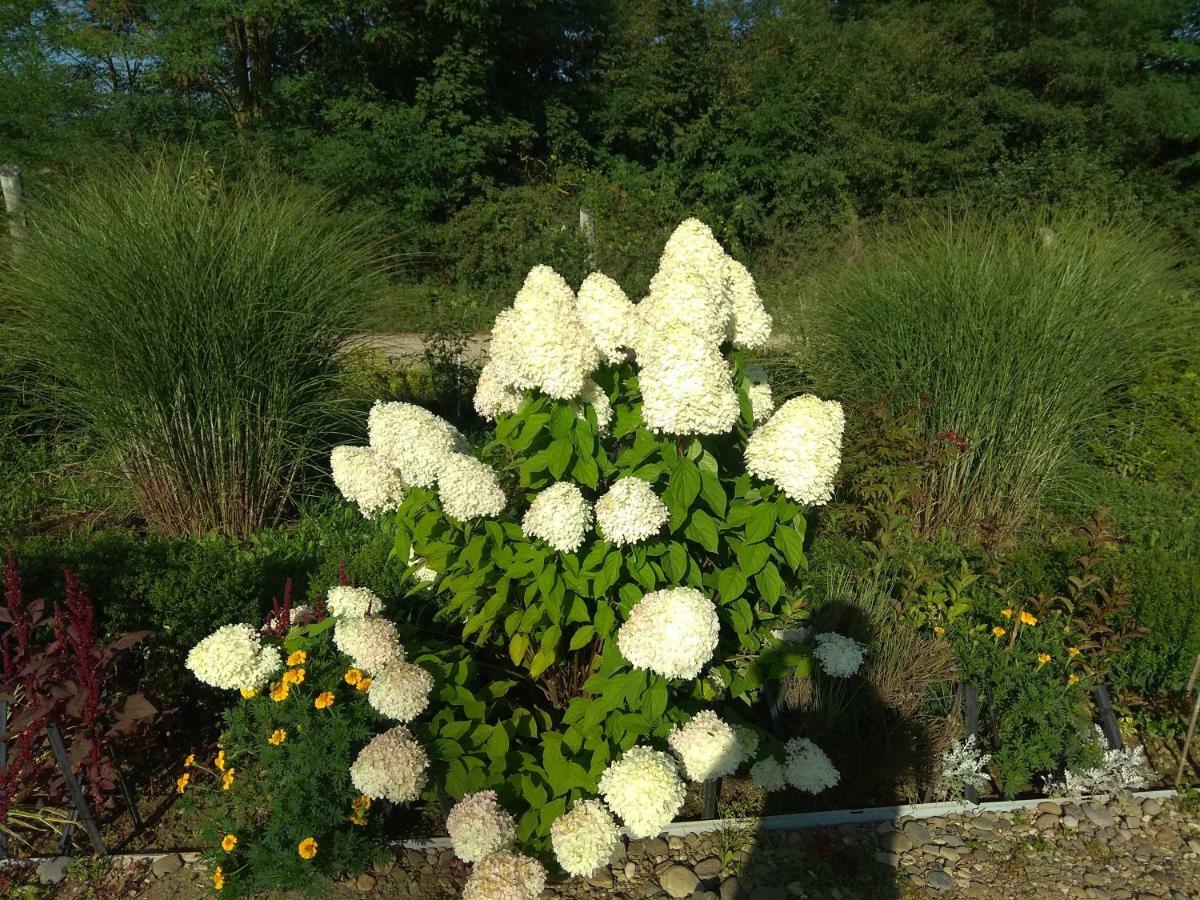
<point>616,553</point>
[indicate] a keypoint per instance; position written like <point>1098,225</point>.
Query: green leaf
<point>713,492</point>
<point>582,637</point>
<point>682,490</point>
<point>791,544</point>
<point>586,472</point>
<point>517,647</point>
<point>769,583</point>
<point>761,523</point>
<point>562,420</point>
<point>558,456</point>
<point>731,584</point>
<point>542,660</point>
<point>702,529</point>
<point>497,745</point>
<point>674,561</point>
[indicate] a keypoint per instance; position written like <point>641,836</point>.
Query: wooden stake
<point>78,800</point>
<point>1191,731</point>
<point>14,203</point>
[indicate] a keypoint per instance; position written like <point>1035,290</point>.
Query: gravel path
<point>1123,850</point>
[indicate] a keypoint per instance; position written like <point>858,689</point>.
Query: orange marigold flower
<point>998,631</point>
<point>298,658</point>
<point>1072,678</point>
<point>279,691</point>
<point>1007,613</point>
<point>356,820</point>
<point>353,676</point>
<point>249,693</point>
<point>938,629</point>
<point>363,685</point>
<point>219,762</point>
<point>190,761</point>
<point>1072,651</point>
<point>1028,618</point>
<point>278,736</point>
<point>181,782</point>
<point>307,848</point>
<point>218,878</point>
<point>1043,658</point>
<point>323,701</point>
<point>227,781</point>
<point>229,842</point>
<point>293,676</point>
<point>361,802</point>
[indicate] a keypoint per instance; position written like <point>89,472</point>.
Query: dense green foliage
<point>1024,337</point>
<point>549,618</point>
<point>775,122</point>
<point>189,325</point>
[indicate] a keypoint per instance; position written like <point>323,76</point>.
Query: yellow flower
<point>298,658</point>
<point>218,878</point>
<point>307,848</point>
<point>938,629</point>
<point>248,693</point>
<point>998,631</point>
<point>181,782</point>
<point>356,820</point>
<point>1072,678</point>
<point>361,803</point>
<point>1072,651</point>
<point>190,761</point>
<point>279,690</point>
<point>229,843</point>
<point>1007,613</point>
<point>353,676</point>
<point>1043,658</point>
<point>227,781</point>
<point>219,762</point>
<point>293,676</point>
<point>323,701</point>
<point>363,685</point>
<point>278,736</point>
<point>1028,618</point>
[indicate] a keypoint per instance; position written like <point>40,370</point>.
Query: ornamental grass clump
<point>190,323</point>
<point>616,553</point>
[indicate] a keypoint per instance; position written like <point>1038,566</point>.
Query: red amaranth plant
<point>63,680</point>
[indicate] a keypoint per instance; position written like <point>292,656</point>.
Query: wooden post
<point>970,701</point>
<point>78,800</point>
<point>14,204</point>
<point>1191,730</point>
<point>711,791</point>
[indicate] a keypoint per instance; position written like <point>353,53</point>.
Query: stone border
<point>783,822</point>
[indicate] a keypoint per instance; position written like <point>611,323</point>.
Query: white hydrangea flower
<point>630,511</point>
<point>608,315</point>
<point>391,767</point>
<point>352,602</point>
<point>687,386</point>
<point>707,748</point>
<point>469,489</point>
<point>750,323</point>
<point>691,287</point>
<point>799,448</point>
<point>560,516</point>
<point>748,738</point>
<point>671,632</point>
<point>400,691</point>
<point>233,658</point>
<point>758,391</point>
<point>768,774</point>
<point>808,768</point>
<point>585,838</point>
<point>372,643</point>
<point>644,789</point>
<point>839,656</point>
<point>492,396</point>
<point>541,342</point>
<point>365,480</point>
<point>594,394</point>
<point>478,826</point>
<point>506,876</point>
<point>412,440</point>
